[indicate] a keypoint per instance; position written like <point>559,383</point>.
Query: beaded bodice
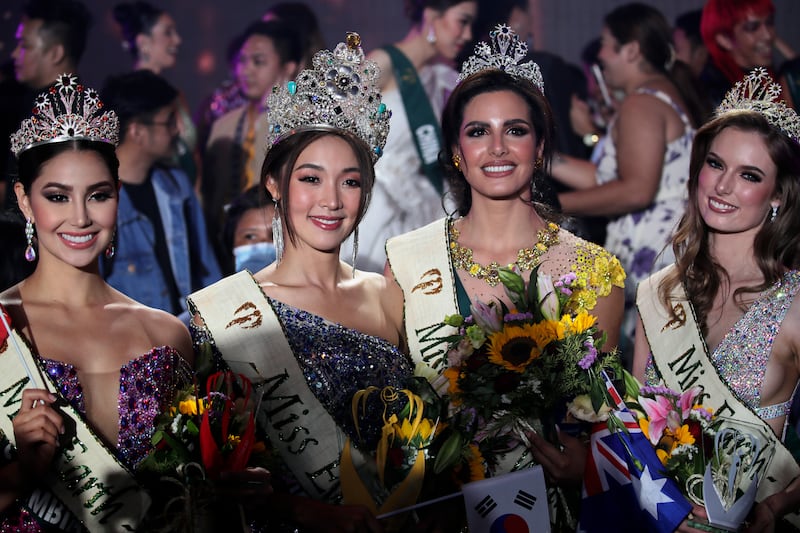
<point>337,362</point>
<point>741,358</point>
<point>146,386</point>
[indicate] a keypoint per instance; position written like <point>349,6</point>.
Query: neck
<point>641,80</point>
<point>143,65</point>
<point>487,219</point>
<point>416,48</point>
<point>134,168</point>
<point>734,252</point>
<point>302,267</point>
<point>55,282</point>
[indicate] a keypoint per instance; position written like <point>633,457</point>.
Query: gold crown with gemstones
<point>758,92</point>
<point>67,111</point>
<point>339,92</point>
<point>504,54</point>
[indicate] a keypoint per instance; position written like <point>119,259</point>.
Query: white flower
<point>548,299</point>
<point>581,408</point>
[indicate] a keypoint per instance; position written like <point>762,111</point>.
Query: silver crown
<point>508,52</point>
<point>67,111</point>
<point>759,93</point>
<point>340,92</point>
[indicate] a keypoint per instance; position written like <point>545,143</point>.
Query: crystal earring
<point>277,233</point>
<point>30,251</point>
<point>431,37</point>
<point>111,249</point>
<point>774,213</point>
<point>355,250</point>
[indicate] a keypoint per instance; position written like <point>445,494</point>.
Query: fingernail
<point>52,397</point>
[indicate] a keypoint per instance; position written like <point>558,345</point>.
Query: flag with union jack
<point>623,486</point>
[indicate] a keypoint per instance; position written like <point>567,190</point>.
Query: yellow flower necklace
<point>527,258</point>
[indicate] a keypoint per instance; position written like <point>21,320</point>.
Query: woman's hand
<point>563,465</point>
<point>698,514</point>
<point>37,428</point>
<point>248,487</point>
<point>762,519</point>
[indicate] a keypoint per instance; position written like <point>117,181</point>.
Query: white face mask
<point>255,256</point>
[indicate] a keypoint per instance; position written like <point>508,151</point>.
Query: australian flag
<point>623,487</point>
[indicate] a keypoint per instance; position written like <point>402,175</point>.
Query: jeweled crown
<point>67,111</point>
<point>505,53</point>
<point>758,92</point>
<point>339,92</point>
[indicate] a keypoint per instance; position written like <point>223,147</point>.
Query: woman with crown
<point>310,330</point>
<point>498,135</point>
<point>84,370</point>
<point>724,315</point>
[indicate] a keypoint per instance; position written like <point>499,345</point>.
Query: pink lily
<point>661,414</point>
<point>487,316</point>
<point>686,401</point>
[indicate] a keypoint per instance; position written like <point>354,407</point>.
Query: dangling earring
<point>457,161</point>
<point>30,251</point>
<point>774,213</point>
<point>355,250</point>
<point>431,37</point>
<point>537,164</point>
<point>111,249</point>
<point>277,233</point>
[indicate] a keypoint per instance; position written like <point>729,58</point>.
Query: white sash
<point>251,339</point>
<point>420,262</point>
<point>682,359</point>
<point>98,490</point>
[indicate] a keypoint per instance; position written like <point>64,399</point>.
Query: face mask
<point>254,257</point>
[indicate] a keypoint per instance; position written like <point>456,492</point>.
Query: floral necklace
<point>527,258</point>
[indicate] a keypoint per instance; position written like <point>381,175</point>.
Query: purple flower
<point>591,355</point>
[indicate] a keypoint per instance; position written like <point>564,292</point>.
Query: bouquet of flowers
<point>523,369</point>
<point>387,473</point>
<point>197,438</point>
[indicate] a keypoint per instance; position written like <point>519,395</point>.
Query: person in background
<point>688,42</point>
<point>725,316</point>
<point>162,252</point>
<point>13,266</point>
<point>268,56</point>
<point>247,232</point>
<point>300,17</point>
<point>149,34</point>
<point>51,38</point>
<point>416,78</point>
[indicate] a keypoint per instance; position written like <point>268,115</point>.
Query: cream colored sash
<point>251,339</point>
<point>96,488</point>
<point>420,262</point>
<point>682,359</point>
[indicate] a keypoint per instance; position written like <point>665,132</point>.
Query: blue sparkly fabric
<point>147,385</point>
<point>337,362</point>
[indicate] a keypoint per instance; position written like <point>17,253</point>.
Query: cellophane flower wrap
<point>528,368</point>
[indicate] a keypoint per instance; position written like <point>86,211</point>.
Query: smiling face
<point>737,184</point>
<point>751,42</point>
<point>498,146</point>
<point>73,205</point>
<point>324,195</point>
<point>159,48</point>
<point>453,28</point>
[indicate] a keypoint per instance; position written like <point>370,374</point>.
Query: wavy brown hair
<point>777,243</point>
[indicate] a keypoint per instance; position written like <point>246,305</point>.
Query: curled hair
<point>777,243</point>
<point>282,157</point>
<point>491,81</point>
<point>414,8</point>
<point>134,19</point>
<point>32,160</point>
<point>720,17</point>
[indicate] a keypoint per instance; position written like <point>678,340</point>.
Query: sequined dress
<point>741,357</point>
<point>146,386</point>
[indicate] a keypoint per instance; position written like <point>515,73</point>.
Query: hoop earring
<point>774,213</point>
<point>431,37</point>
<point>457,161</point>
<point>30,251</point>
<point>111,250</point>
<point>355,250</point>
<point>277,233</point>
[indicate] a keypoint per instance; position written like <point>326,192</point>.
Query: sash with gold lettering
<point>420,262</point>
<point>682,359</point>
<point>87,484</point>
<point>251,339</point>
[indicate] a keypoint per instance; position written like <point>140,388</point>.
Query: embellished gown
<point>147,384</point>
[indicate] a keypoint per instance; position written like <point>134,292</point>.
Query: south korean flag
<point>511,503</point>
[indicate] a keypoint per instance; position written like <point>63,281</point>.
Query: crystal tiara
<point>508,52</point>
<point>759,93</point>
<point>67,111</point>
<point>339,92</point>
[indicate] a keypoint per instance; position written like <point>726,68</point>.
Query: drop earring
<point>277,233</point>
<point>431,36</point>
<point>111,249</point>
<point>457,161</point>
<point>774,213</point>
<point>355,250</point>
<point>30,251</point>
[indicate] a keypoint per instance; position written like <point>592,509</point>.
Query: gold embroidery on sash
<point>679,320</point>
<point>432,286</point>
<point>250,320</point>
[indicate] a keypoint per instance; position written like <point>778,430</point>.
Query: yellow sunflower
<point>516,346</point>
<point>475,462</point>
<point>683,436</point>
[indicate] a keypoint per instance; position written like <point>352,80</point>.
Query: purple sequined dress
<point>147,384</point>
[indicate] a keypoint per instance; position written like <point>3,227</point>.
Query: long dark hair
<point>489,81</point>
<point>136,18</point>
<point>281,158</point>
<point>414,8</point>
<point>777,243</point>
<point>31,161</point>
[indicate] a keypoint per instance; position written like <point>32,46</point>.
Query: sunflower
<point>580,323</point>
<point>475,463</point>
<point>516,346</point>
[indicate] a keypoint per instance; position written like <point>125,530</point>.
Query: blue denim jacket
<point>134,270</point>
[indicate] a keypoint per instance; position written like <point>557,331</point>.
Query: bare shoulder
<point>11,297</point>
<point>162,328</point>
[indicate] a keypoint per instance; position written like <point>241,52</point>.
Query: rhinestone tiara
<point>339,92</point>
<point>508,52</point>
<point>759,93</point>
<point>67,111</point>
